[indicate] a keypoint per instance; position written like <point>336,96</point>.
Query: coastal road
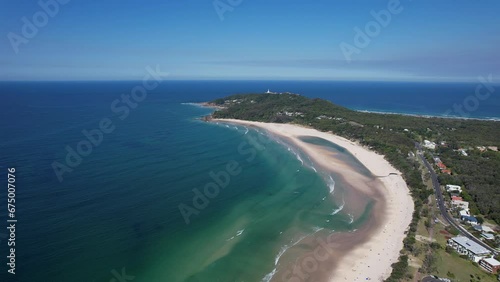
<point>440,201</point>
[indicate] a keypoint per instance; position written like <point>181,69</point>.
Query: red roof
<point>441,165</point>
<point>456,198</point>
<point>447,171</point>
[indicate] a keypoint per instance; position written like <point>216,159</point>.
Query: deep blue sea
<point>125,204</point>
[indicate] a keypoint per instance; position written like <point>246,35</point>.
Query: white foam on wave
<point>296,155</point>
<point>282,251</point>
<point>238,233</point>
<point>336,211</point>
<point>317,229</point>
<point>270,275</point>
<point>193,104</point>
<point>352,218</point>
<point>300,159</point>
<point>246,131</point>
<point>331,184</point>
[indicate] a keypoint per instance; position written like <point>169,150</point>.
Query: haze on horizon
<point>241,39</point>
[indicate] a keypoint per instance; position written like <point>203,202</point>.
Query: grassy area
<point>462,270</point>
<point>439,236</point>
<point>490,222</point>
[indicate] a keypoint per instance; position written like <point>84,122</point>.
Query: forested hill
<point>391,135</point>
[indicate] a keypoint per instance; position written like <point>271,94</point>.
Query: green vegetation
<point>399,269</point>
<point>459,269</point>
<point>480,174</point>
<point>394,136</point>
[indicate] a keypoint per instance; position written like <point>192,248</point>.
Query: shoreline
<point>375,247</point>
<point>495,119</point>
<point>379,112</point>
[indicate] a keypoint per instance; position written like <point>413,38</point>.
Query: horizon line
<point>247,79</point>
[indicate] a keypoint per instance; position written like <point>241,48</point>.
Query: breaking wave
<point>238,233</point>
<point>282,251</point>
<point>331,184</point>
<point>339,208</point>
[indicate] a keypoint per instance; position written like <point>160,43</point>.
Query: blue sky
<point>257,39</point>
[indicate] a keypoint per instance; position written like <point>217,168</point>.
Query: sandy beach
<point>366,254</point>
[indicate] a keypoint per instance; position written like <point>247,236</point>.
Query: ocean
<point>159,195</point>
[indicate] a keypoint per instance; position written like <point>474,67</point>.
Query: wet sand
<point>368,252</point>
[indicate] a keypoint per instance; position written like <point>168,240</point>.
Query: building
<point>453,188</point>
<point>434,278</point>
<point>469,248</point>
<point>488,229</point>
<point>464,213</point>
<point>484,228</point>
<point>429,145</point>
<point>456,198</point>
<point>488,236</point>
<point>463,152</point>
<point>469,219</point>
<point>460,204</point>
<point>441,165</point>
<point>490,264</point>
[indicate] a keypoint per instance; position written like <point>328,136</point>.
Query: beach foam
<point>386,239</point>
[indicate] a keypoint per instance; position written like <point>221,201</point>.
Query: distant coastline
<point>205,105</point>
<point>380,112</point>
<point>427,115</point>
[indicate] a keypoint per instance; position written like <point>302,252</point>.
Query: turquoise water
<point>273,200</point>
<point>119,209</point>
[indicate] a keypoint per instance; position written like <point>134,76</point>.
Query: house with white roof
<point>465,246</point>
<point>453,188</point>
<point>429,145</point>
<point>488,236</point>
<point>488,229</point>
<point>464,212</point>
<point>490,264</point>
<point>484,228</point>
